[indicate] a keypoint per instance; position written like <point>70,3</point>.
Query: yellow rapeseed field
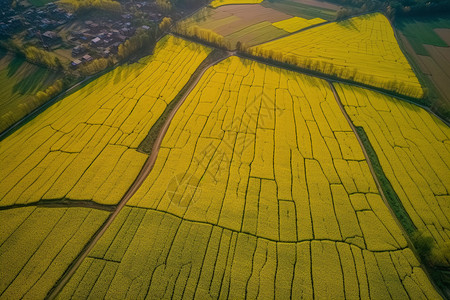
<point>414,151</point>
<point>260,188</point>
<point>363,49</point>
<point>217,3</point>
<point>38,244</point>
<point>297,23</point>
<point>84,147</point>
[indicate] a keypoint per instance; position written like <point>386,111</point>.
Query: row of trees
<point>95,66</point>
<point>142,39</point>
<point>393,8</point>
<point>84,5</point>
<point>164,5</point>
<point>336,70</point>
<point>42,58</point>
<point>31,103</point>
<point>50,92</point>
<point>205,35</point>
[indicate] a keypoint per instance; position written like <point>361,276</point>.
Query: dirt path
<point>380,189</point>
<point>145,171</point>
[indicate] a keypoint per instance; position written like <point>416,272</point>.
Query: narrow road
<point>380,189</point>
<point>143,174</point>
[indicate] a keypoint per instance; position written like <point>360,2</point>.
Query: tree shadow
<point>32,81</point>
<point>349,24</point>
<point>2,53</point>
<point>14,65</point>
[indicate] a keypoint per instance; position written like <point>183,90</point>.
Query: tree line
<point>335,70</point>
<point>393,8</point>
<point>85,5</point>
<point>41,57</point>
<point>204,35</point>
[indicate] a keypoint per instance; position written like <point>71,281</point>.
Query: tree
<point>42,57</point>
<point>164,5</point>
<point>165,24</point>
<point>141,39</point>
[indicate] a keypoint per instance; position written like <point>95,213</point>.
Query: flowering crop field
<point>363,49</point>
<point>260,189</point>
<point>413,148</point>
<point>217,3</point>
<point>84,147</point>
<point>297,23</point>
<point>38,244</point>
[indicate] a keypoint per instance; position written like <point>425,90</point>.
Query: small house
<point>87,58</point>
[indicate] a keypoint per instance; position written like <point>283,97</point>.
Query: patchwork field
<point>425,31</point>
<point>248,24</point>
<point>261,189</point>
<point>427,41</point>
<point>413,148</point>
<point>38,244</point>
<point>308,9</point>
<point>84,147</point>
<point>362,49</point>
<point>19,81</point>
<point>217,3</point>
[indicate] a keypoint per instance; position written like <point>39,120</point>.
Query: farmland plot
<point>247,24</point>
<point>363,49</point>
<point>413,148</point>
<point>260,189</point>
<point>297,23</point>
<point>38,244</point>
<point>217,3</point>
<point>19,82</point>
<point>84,147</point>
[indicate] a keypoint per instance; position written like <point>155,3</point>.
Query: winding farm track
<point>148,165</point>
<point>145,171</point>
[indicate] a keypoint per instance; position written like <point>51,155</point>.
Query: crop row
<point>363,49</point>
<point>269,152</point>
<point>297,23</point>
<point>153,254</point>
<point>84,147</point>
<point>413,148</point>
<point>38,244</point>
<point>261,189</point>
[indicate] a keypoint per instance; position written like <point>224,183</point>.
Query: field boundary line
<point>381,191</point>
<point>62,203</point>
<point>330,78</point>
<point>143,174</point>
<point>318,25</point>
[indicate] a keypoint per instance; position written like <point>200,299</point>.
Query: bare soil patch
<point>317,3</point>
<point>444,33</point>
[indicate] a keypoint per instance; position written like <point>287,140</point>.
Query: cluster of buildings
<point>102,37</point>
<point>52,27</point>
<point>37,22</point>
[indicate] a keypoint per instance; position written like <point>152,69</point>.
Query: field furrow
<point>169,257</point>
<point>411,147</point>
<point>37,245</point>
<point>248,196</point>
<point>84,147</point>
<point>363,49</point>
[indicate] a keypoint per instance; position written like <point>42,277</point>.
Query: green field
<point>421,31</point>
<point>19,81</point>
<point>301,10</point>
<point>256,34</point>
